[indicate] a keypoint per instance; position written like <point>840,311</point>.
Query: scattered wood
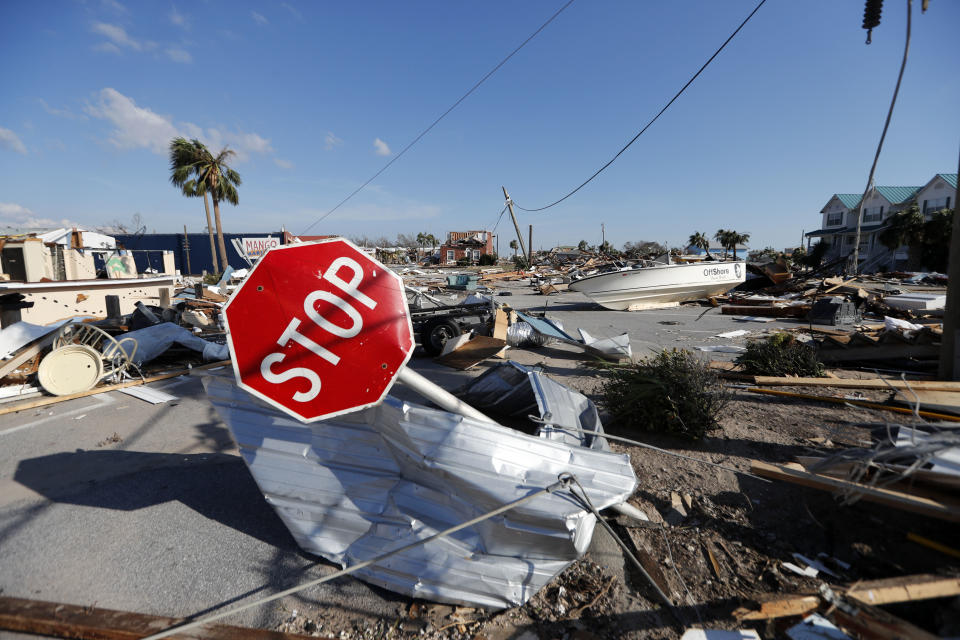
<point>794,605</point>
<point>844,383</point>
<point>939,506</point>
<point>856,403</point>
<point>933,544</point>
<point>72,621</point>
<point>904,589</point>
<point>42,402</point>
<point>870,622</point>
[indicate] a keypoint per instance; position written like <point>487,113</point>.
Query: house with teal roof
<point>839,218</point>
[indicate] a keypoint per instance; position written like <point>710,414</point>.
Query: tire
<point>436,334</point>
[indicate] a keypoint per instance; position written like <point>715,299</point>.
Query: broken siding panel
<point>354,487</point>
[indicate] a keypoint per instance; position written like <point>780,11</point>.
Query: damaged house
<point>466,244</point>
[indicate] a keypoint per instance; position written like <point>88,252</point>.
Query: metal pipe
<point>440,396</point>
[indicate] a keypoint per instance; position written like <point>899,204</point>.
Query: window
<point>834,219</point>
<point>451,255</point>
<point>930,206</point>
<point>476,254</point>
<point>872,214</point>
<point>849,239</point>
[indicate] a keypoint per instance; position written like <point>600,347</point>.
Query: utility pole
<point>523,250</point>
<point>603,235</point>
<point>530,248</point>
<point>186,250</point>
<point>950,343</point>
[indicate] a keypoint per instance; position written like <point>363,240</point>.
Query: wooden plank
<point>844,383</point>
<point>93,623</point>
<point>794,605</point>
<point>941,508</point>
<point>856,403</point>
<point>872,623</point>
<point>42,402</point>
<point>904,589</point>
<point>28,351</point>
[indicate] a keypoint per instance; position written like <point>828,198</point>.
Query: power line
<point>442,116</point>
<point>655,118</point>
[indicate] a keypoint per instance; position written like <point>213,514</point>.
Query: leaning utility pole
<point>950,342</point>
<point>530,248</point>
<point>523,250</point>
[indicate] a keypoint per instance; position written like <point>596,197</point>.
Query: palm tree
<point>700,241</point>
<point>514,246</point>
<point>184,155</point>
<point>213,176</point>
<point>723,237</point>
<point>738,238</point>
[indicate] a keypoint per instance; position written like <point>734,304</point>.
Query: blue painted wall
<point>200,257</point>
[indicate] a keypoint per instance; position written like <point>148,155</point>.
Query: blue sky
<point>315,97</point>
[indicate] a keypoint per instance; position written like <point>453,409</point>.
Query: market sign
<point>254,248</point>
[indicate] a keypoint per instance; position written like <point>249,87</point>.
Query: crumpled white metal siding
<point>356,486</point>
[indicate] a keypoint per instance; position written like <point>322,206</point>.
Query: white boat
<point>653,285</point>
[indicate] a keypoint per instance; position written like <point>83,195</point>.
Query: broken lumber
<point>42,402</point>
<point>72,621</point>
<point>844,383</point>
<point>944,508</point>
<point>856,403</point>
<point>904,589</point>
<point>794,605</point>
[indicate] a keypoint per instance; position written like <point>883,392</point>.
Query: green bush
<point>519,262</point>
<point>670,392</point>
<point>780,355</point>
<point>464,262</point>
<point>487,259</point>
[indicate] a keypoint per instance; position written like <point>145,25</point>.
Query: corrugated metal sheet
<point>352,488</point>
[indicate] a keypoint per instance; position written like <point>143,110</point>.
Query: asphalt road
<point>111,501</point>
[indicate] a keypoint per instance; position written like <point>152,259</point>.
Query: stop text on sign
<point>351,289</point>
<point>319,329</point>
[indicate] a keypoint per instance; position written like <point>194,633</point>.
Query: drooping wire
<point>499,218</point>
<point>655,118</point>
<point>442,116</point>
<point>883,135</point>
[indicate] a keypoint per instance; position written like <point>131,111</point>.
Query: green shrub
<point>670,392</point>
<point>487,259</point>
<point>464,262</point>
<point>780,355</point>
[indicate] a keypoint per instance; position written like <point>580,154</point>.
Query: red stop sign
<point>319,329</point>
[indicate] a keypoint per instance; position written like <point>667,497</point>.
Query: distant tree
<point>937,232</point>
<point>186,158</point>
<point>723,237</point>
<point>514,246</point>
<point>767,253</point>
<point>814,257</point>
<point>583,246</point>
<point>700,241</point>
<point>406,241</point>
<point>738,238</point>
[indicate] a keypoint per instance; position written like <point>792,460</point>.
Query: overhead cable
<point>655,118</point>
<point>442,116</point>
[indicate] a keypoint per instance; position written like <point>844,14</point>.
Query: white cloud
<point>107,47</point>
<point>179,55</point>
<point>258,18</point>
<point>136,127</point>
<point>283,164</point>
<point>116,6</point>
<point>293,10</point>
<point>381,148</point>
<point>330,141</point>
<point>16,216</point>
<point>178,18</point>
<point>116,34</point>
<point>10,141</point>
<point>62,113</point>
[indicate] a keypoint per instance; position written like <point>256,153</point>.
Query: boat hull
<point>660,286</point>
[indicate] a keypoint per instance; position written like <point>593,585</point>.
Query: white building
<point>839,223</point>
